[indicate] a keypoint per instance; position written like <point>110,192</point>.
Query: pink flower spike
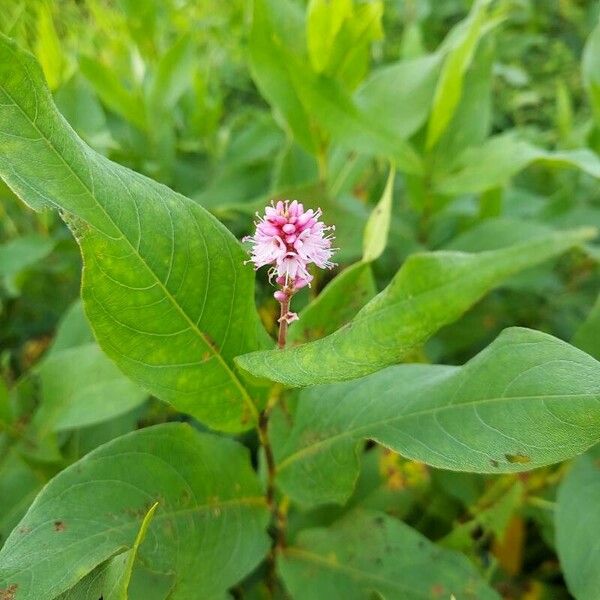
<point>290,239</point>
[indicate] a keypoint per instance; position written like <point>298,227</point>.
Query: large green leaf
<point>369,554</point>
<point>525,401</point>
<point>430,290</point>
<point>208,530</point>
<point>577,522</point>
<point>164,285</point>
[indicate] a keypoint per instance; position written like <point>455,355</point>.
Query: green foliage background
<point>417,125</point>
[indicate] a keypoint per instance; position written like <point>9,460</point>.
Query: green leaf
<point>449,87</point>
<point>492,234</point>
<point>324,20</point>
<point>577,523</point>
<point>80,387</point>
<point>351,53</point>
<point>527,400</point>
<point>430,290</point>
<point>590,68</point>
<point>587,336</point>
<point>19,485</point>
<point>369,553</point>
<point>408,84</point>
<point>23,252</point>
<point>270,49</point>
<point>110,581</point>
<point>47,46</point>
<point>350,126</point>
<point>126,103</point>
<point>208,531</point>
<point>173,75</point>
<point>304,98</point>
<point>164,285</point>
<point>73,329</point>
<point>337,304</point>
<point>6,412</point>
<point>378,225</point>
<point>500,158</point>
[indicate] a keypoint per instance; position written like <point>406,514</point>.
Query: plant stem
<point>283,324</point>
<point>278,513</point>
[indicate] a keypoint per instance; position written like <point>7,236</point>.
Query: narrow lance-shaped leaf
<point>324,20</point>
<point>164,285</point>
<point>378,225</point>
<point>590,67</point>
<point>449,87</point>
<point>430,290</point>
<point>270,69</point>
<point>368,554</point>
<point>527,400</point>
<point>208,531</point>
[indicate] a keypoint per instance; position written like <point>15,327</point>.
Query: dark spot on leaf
<point>379,521</point>
<point>520,459</point>
<point>211,342</point>
<point>59,526</point>
<point>493,462</point>
<point>437,589</point>
<point>9,592</point>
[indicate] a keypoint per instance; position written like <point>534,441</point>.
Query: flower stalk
<point>289,239</point>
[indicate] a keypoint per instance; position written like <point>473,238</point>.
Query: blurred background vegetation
<point>233,105</point>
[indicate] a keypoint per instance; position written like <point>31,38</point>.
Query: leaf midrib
<point>135,251</point>
<point>305,555</point>
<point>257,501</point>
<point>313,448</point>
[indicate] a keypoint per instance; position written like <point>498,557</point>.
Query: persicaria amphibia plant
<point>290,239</point>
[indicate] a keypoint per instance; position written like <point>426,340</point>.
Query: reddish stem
<point>283,323</point>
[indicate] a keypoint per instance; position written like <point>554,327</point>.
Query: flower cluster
<point>290,238</point>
